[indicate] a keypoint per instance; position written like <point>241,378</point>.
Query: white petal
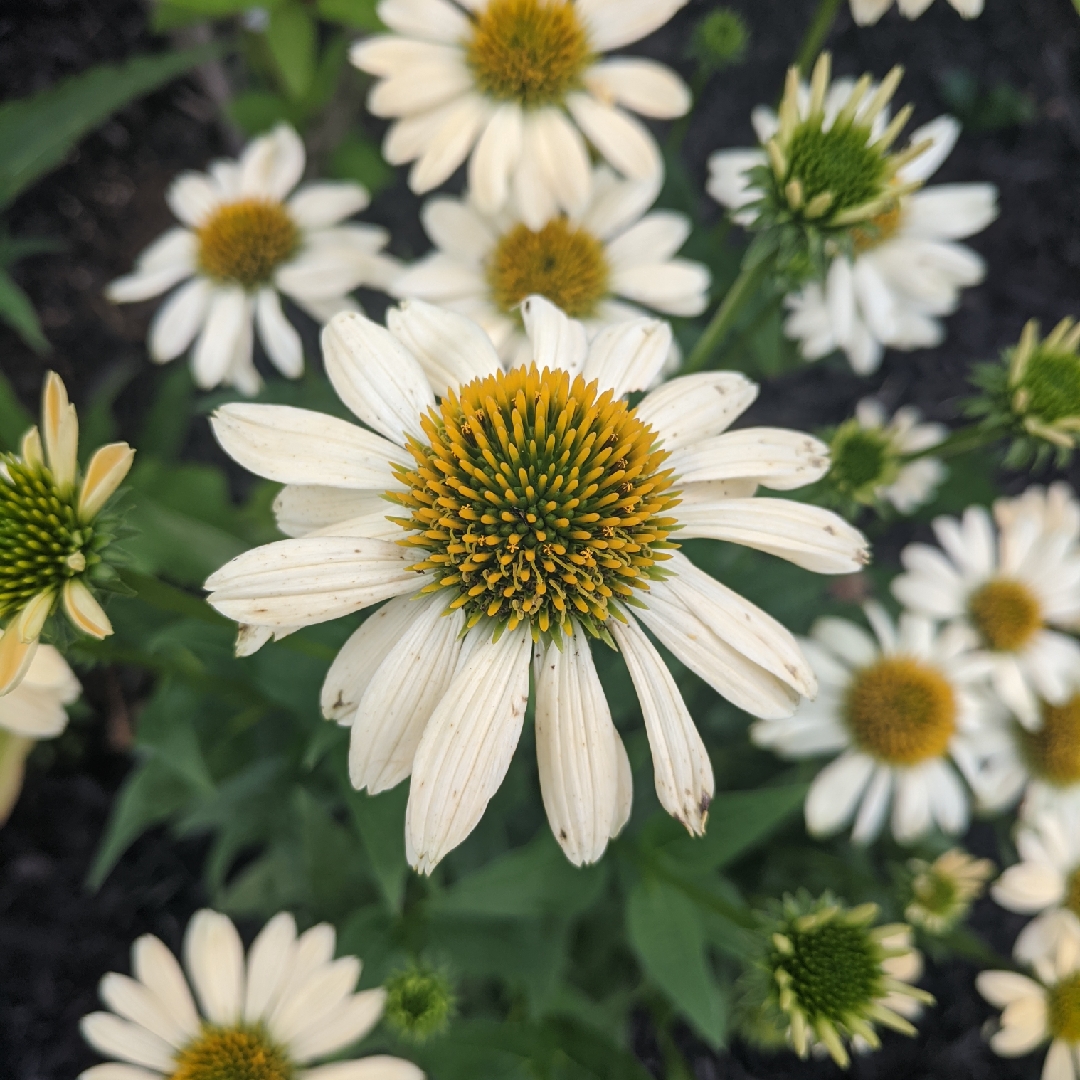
<point>193,197</point>
<point>1002,988</point>
<point>311,580</point>
<point>303,1007</point>
<point>115,1070</point>
<point>911,817</point>
<point>378,1067</point>
<point>351,1021</point>
<point>778,458</point>
<point>617,203</point>
<point>376,376</point>
<point>134,1002</point>
<point>621,139</point>
<point>455,227</point>
<point>655,238</point>
<point>214,958</point>
<point>557,341</point>
<point>614,23</point>
<point>462,122</point>
<point>451,349</point>
<point>227,320</point>
<point>575,749</point>
<point>628,356</point>
<point>315,206</point>
<point>560,153</point>
<point>300,510</point>
<point>495,157</point>
<point>1029,887</point>
<point>950,211</point>
<point>694,407</point>
<point>157,969</point>
<point>643,86</point>
<point>359,658</point>
<point>110,1035</point>
<point>281,341</point>
<point>441,278</point>
<point>268,965</point>
<point>675,287</point>
<point>725,669</point>
<point>178,320</point>
<point>875,801</point>
<point>943,134</point>
<point>836,791</point>
<point>418,88</point>
<point>683,773</point>
<point>430,20</point>
<point>402,695</point>
<point>808,536</point>
<point>1059,1063</point>
<point>296,446</point>
<point>729,180</point>
<point>271,166</point>
<point>466,748</point>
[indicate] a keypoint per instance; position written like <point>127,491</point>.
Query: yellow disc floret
<point>1053,752</point>
<point>1006,613</point>
<point>567,265</point>
<point>241,1053</point>
<point>243,243</point>
<point>530,51</point>
<point>901,711</point>
<point>539,499</point>
<point>1072,892</point>
<point>1063,1009</point>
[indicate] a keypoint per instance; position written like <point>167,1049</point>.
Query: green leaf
<point>96,423</point>
<point>17,311</point>
<point>14,419</point>
<point>525,883</point>
<point>738,822</point>
<point>593,1050</point>
<point>38,132</point>
<point>150,795</point>
<point>166,425</point>
<point>380,821</point>
<point>667,935</point>
<point>257,111</point>
<point>358,159</point>
<point>291,40</point>
<point>358,14</point>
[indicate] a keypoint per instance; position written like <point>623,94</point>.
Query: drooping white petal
<point>348,1022</point>
<point>228,318</point>
<point>643,86</point>
<point>297,446</point>
<point>628,356</point>
<point>808,536</point>
<point>110,1035</point>
<point>575,749</point>
<point>497,153</point>
<point>376,376</point>
<point>279,338</point>
<point>683,773</point>
<point>462,122</point>
<point>179,319</point>
<point>836,791</point>
<point>451,349</point>
<point>560,154</point>
<point>193,197</point>
<point>133,1001</point>
<point>311,580</point>
<point>302,1007</point>
<point>301,509</point>
<point>467,745</point>
<point>622,140</point>
<point>691,408</point>
<point>403,694</point>
<point>775,457</point>
<point>557,341</point>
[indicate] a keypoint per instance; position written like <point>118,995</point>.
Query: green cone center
<point>1052,381</point>
<point>837,162</point>
<point>835,970</point>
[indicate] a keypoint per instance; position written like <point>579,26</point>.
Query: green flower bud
<point>941,892</point>
<point>720,40</point>
<point>419,1003</point>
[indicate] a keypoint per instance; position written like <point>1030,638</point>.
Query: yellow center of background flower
<point>1063,1009</point>
<point>565,264</point>
<point>1006,614</point>
<point>530,51</point>
<point>1072,892</point>
<point>244,242</point>
<point>538,499</point>
<point>232,1054</point>
<point>878,229</point>
<point>901,711</point>
<point>1053,751</point>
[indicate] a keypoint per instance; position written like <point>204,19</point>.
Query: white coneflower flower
<point>898,708</point>
<point>868,452</point>
<point>33,710</point>
<point>53,536</point>
<point>531,509</point>
<point>867,12</point>
<point>1046,882</point>
<point>596,266</point>
<point>1037,1012</point>
<point>942,891</point>
<point>828,976</point>
<point>888,261</point>
<point>522,87</point>
<point>1017,586</point>
<point>243,244</point>
<point>290,1004</point>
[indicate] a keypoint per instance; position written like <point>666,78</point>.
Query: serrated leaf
<point>667,935</point>
<point>291,40</point>
<point>17,311</point>
<point>150,795</point>
<point>38,132</point>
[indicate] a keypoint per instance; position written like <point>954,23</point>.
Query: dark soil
<point>106,204</point>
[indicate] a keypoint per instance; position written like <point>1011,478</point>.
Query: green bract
<point>419,1003</point>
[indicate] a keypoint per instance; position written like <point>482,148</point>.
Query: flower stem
<point>816,34</point>
<point>972,437</point>
<point>753,270</point>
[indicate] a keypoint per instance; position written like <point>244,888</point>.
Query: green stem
<point>816,34</point>
<point>973,437</point>
<point>752,272</point>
